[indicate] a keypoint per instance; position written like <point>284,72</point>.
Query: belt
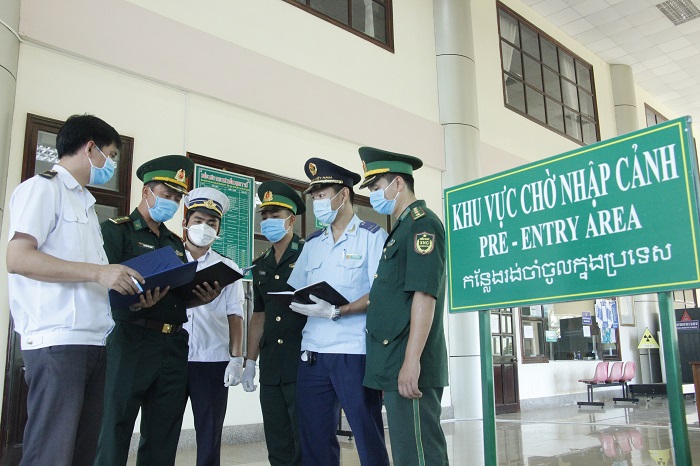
<point>156,325</point>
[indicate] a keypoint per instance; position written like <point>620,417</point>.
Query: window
<point>685,299</point>
<point>40,154</point>
<point>580,330</point>
<point>546,82</point>
<point>653,117</point>
<point>369,19</point>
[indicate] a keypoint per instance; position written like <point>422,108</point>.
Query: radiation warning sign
<point>647,341</point>
<point>660,457</point>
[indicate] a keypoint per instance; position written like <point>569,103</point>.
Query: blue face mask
<point>380,203</point>
<point>163,210</point>
<point>273,228</point>
<point>323,211</point>
<point>104,174</point>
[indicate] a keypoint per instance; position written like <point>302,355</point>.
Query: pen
<point>138,285</point>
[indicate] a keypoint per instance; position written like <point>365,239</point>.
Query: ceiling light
<point>679,11</point>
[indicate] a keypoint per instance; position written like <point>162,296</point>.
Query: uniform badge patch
<point>424,243</point>
<point>312,169</point>
<point>417,212</point>
<point>268,196</point>
<point>180,175</point>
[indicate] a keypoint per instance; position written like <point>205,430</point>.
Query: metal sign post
<point>590,223</point>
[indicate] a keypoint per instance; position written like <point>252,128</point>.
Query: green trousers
<point>146,370</point>
<point>415,433</point>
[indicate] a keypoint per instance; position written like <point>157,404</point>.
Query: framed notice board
<point>236,236</point>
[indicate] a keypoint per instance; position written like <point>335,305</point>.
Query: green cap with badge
<point>275,194</point>
<point>376,162</point>
<point>171,170</point>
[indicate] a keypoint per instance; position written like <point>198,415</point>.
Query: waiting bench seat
<point>618,375</point>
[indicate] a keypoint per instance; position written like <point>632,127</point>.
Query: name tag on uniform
<point>353,256</point>
<point>147,246</point>
<point>263,273</point>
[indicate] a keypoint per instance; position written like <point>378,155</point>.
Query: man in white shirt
<point>216,329</point>
<point>59,279</point>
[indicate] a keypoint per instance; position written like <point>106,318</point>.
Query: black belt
<point>156,325</point>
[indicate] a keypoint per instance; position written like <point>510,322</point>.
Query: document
<point>160,268</point>
<point>321,290</point>
<point>219,272</point>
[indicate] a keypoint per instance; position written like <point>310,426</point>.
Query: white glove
<point>232,376</point>
<point>321,308</point>
<point>248,378</point>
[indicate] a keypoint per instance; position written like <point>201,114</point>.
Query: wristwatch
<point>336,313</point>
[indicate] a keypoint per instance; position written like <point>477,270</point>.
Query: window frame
<point>117,199</point>
<point>389,21</point>
<point>650,111</point>
<point>560,48</point>
<point>543,319</point>
<point>544,357</point>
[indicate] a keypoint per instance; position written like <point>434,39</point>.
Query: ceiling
<point>665,58</point>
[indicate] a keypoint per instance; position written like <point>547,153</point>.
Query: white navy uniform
<point>63,326</point>
<point>208,324</point>
<point>60,215</point>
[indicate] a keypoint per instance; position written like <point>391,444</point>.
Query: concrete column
<point>9,55</point>
<point>624,98</point>
<point>646,307</point>
<point>454,46</point>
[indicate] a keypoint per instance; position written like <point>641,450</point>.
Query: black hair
<point>408,179</point>
<point>78,130</point>
<point>337,188</point>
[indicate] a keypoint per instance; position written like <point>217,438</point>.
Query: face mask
<point>273,228</point>
<point>201,235</point>
<point>163,210</point>
<point>323,211</point>
<point>380,203</point>
<point>104,174</point>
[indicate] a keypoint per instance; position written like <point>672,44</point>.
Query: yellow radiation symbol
<point>660,457</point>
<point>312,169</point>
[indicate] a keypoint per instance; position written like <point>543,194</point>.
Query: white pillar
<point>9,54</point>
<point>624,98</point>
<point>454,46</point>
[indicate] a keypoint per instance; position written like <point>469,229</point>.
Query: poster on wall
<point>607,319</point>
<point>236,236</point>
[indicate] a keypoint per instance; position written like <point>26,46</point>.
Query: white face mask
<point>201,235</point>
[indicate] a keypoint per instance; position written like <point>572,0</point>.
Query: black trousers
<point>209,397</point>
<point>66,390</point>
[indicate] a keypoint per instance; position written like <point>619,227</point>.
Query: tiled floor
<point>618,435</point>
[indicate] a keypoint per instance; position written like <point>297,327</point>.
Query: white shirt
<point>208,324</point>
<point>60,215</point>
<point>348,265</point>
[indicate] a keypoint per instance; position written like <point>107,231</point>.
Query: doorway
<point>505,362</point>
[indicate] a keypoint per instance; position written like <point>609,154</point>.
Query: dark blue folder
<point>159,268</point>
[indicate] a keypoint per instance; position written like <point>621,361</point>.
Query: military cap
<point>171,170</point>
<point>322,172</point>
<point>376,162</point>
<point>207,200</point>
<point>275,194</point>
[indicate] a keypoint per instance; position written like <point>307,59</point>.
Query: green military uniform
<point>280,344</point>
<point>146,351</point>
<point>413,260</point>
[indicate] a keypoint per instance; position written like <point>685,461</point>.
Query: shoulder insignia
<point>315,234</point>
<point>424,243</point>
<point>417,212</point>
<point>370,226</point>
<point>120,220</point>
<point>262,254</point>
<point>48,174</point>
